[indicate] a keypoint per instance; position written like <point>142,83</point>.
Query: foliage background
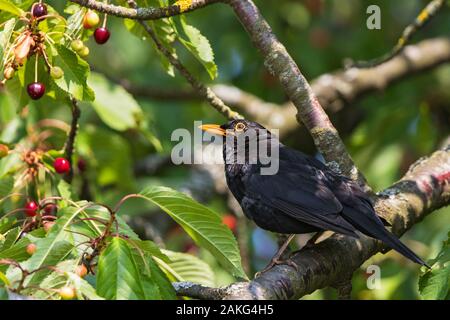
<point>385,132</point>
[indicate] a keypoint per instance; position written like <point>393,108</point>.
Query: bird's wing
<point>301,192</point>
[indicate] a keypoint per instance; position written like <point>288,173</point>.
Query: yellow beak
<point>213,129</point>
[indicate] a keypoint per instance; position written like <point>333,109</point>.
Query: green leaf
<point>11,237</point>
<point>186,267</point>
<point>82,287</point>
<point>4,279</point>
<point>55,247</point>
<point>164,29</point>
<point>6,186</point>
<point>150,248</point>
<point>434,284</point>
<point>10,7</point>
<point>65,189</point>
<point>199,46</point>
<point>119,276</point>
<point>76,72</point>
<point>202,225</point>
<point>5,37</point>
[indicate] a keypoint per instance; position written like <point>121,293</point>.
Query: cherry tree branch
<point>334,90</point>
<point>424,189</point>
<point>309,111</point>
<point>69,146</point>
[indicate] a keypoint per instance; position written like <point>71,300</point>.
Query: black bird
<point>303,196</point>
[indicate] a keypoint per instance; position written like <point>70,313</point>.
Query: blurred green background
<point>385,131</point>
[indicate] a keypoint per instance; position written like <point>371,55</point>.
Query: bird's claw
<point>276,262</point>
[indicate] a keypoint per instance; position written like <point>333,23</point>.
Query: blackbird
<point>304,196</point>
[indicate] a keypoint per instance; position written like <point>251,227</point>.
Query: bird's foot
<point>276,262</point>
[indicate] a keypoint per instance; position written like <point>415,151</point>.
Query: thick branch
<point>279,63</point>
<point>145,13</point>
<point>333,90</point>
<point>425,188</point>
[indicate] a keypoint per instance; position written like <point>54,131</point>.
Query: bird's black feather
<point>304,196</point>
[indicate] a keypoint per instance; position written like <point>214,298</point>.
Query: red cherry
<point>31,208</point>
<point>61,165</point>
<point>36,90</point>
<point>50,209</point>
<point>101,35</point>
<point>39,10</point>
<point>230,221</point>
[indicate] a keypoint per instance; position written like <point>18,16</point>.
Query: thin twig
<point>203,90</point>
<point>421,20</point>
<point>177,8</point>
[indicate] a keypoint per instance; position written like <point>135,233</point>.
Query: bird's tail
<point>366,221</point>
<point>392,241</point>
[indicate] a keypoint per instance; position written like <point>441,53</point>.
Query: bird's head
<point>235,128</point>
<point>244,141</point>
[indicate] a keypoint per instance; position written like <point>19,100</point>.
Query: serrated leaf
<point>66,277</point>
<point>76,73</point>
<point>4,279</point>
<point>202,224</point>
<point>7,6</point>
<point>150,248</point>
<point>119,276</point>
<point>186,267</point>
<point>199,46</point>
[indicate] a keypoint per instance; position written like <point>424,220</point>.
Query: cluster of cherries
<point>61,166</point>
<point>31,209</point>
<point>36,90</point>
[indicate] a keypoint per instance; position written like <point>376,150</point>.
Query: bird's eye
<point>239,127</point>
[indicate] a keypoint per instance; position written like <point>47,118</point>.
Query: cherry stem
<point>36,64</point>
<point>104,20</point>
<point>44,54</point>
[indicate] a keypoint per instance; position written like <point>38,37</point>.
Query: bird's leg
<point>313,239</point>
<point>276,258</point>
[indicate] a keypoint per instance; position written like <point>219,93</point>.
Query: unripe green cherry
<point>56,73</point>
<point>77,45</point>
<point>84,52</point>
